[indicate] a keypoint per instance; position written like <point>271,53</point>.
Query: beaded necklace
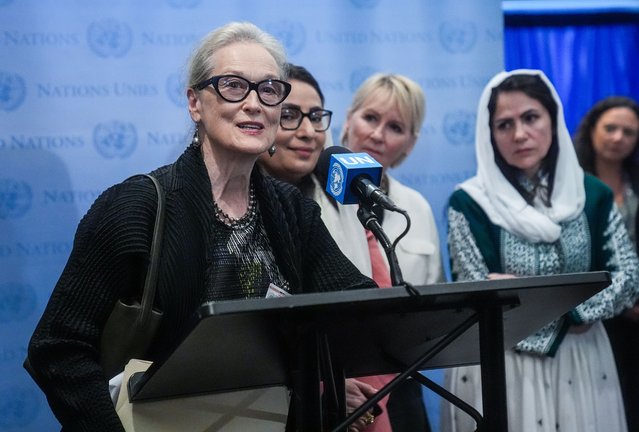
<point>237,223</point>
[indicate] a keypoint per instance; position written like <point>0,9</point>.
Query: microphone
<point>352,177</point>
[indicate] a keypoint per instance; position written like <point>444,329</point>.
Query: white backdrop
<point>91,92</point>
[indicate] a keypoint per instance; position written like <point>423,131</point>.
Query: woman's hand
<point>357,393</point>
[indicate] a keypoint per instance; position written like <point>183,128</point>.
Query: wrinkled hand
<point>357,393</point>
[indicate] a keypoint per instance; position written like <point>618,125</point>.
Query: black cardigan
<point>108,259</point>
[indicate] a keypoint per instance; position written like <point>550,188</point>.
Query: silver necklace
<point>236,223</point>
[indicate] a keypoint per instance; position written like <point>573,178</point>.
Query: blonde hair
<point>406,93</point>
<point>201,62</point>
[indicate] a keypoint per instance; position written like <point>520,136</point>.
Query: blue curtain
<point>587,57</point>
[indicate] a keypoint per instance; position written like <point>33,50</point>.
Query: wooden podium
<point>301,340</point>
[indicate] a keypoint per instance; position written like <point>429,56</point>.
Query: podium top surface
<point>240,344</point>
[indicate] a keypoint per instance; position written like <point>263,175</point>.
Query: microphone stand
<point>370,222</point>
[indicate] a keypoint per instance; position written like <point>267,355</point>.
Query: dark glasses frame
<point>323,113</point>
<point>214,82</point>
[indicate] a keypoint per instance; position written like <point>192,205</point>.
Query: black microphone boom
<point>370,222</point>
<point>371,194</point>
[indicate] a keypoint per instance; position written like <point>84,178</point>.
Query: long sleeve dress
<point>558,378</point>
<point>108,259</point>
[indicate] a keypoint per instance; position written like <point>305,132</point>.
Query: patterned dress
<point>563,377</point>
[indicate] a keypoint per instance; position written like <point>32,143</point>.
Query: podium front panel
<point>234,345</point>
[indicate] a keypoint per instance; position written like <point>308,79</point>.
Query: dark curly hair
<point>534,87</point>
<point>583,137</point>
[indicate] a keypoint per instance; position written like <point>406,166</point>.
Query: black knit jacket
<point>108,260</point>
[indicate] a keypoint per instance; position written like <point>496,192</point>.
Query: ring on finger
<point>369,419</point>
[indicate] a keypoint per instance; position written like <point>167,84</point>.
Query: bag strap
<point>150,282</point>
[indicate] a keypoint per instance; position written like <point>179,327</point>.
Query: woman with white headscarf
<point>530,210</point>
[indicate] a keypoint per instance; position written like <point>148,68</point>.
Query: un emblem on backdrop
<point>17,302</point>
<point>115,139</point>
<point>458,36</point>
<point>358,76</point>
<point>175,90</point>
<point>12,91</point>
<point>365,4</point>
<point>110,38</point>
<point>15,198</point>
<point>18,406</point>
<point>459,127</point>
<point>291,34</point>
<point>183,4</point>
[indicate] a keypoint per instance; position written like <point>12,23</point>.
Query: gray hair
<point>201,63</point>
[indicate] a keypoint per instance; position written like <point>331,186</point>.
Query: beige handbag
<point>263,410</point>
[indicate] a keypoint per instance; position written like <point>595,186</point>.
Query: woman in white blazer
<point>418,252</point>
<point>384,120</point>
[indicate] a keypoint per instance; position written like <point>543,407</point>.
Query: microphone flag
<point>344,168</point>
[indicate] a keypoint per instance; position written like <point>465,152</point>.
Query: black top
<point>109,258</point>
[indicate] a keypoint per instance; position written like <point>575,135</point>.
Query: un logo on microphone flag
<point>336,180</point>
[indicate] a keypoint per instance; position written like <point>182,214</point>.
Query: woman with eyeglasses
<point>229,231</point>
<point>300,139</point>
<point>302,133</point>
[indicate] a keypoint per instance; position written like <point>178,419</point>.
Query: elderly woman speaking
<point>229,232</point>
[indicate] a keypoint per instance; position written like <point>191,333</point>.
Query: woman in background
<point>384,120</point>
<point>606,144</point>
<point>394,107</point>
<point>302,134</point>
<point>531,211</point>
<point>300,139</point>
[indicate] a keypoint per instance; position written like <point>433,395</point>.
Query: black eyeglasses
<point>292,117</point>
<point>233,88</point>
